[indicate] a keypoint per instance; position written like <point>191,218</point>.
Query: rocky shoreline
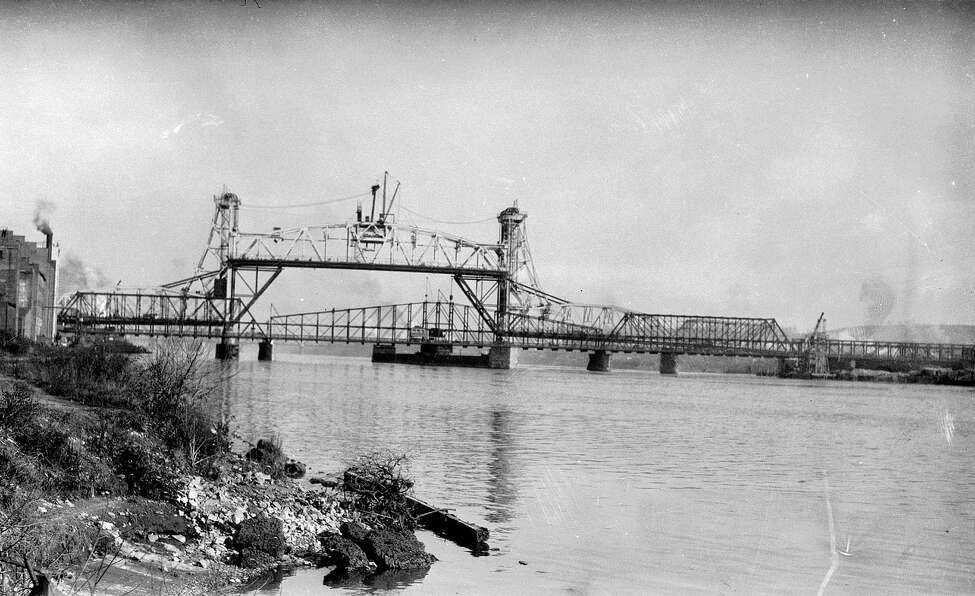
<point>221,533</point>
<point>97,498</point>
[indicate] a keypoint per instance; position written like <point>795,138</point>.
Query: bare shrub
<point>376,486</point>
<point>171,390</point>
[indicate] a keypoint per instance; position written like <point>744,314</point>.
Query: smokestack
<point>41,210</point>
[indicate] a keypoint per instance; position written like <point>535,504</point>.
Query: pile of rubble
<point>215,510</point>
<point>233,526</point>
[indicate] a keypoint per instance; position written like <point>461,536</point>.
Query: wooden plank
<point>448,525</point>
<point>439,521</point>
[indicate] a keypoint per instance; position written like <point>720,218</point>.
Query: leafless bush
<point>172,390</point>
<point>376,487</point>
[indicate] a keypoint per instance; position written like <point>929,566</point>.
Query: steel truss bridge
<point>505,306</point>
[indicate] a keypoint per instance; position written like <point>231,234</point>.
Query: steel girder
<point>376,246</point>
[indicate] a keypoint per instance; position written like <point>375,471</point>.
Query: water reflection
<point>501,485</point>
<point>391,579</point>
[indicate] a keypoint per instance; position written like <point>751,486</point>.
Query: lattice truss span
<point>602,328</point>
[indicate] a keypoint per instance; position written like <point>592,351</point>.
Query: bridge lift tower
<point>236,268</point>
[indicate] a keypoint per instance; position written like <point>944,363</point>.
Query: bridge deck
<point>168,315</point>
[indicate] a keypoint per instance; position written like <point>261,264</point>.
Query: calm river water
<point>633,482</point>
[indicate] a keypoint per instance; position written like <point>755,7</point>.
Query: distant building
<point>27,287</point>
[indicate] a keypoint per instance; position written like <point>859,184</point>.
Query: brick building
<point>27,287</point>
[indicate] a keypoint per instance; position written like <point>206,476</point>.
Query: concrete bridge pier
<point>436,350</point>
<point>228,349</point>
<point>384,352</point>
<point>502,357</point>
<point>668,363</point>
<point>785,366</point>
<point>265,351</point>
<point>598,361</point>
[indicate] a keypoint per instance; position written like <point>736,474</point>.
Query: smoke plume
<point>879,299</point>
<point>75,275</point>
<point>42,210</point>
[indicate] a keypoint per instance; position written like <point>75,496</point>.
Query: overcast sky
<point>774,160</point>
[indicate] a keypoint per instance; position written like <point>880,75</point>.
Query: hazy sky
<point>767,160</point>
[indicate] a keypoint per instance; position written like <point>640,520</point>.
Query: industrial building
<point>27,287</point>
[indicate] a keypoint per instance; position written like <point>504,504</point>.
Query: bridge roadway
<point>597,329</point>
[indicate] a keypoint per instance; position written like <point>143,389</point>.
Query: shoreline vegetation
<point>118,475</point>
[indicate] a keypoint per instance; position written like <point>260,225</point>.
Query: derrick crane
<point>814,360</point>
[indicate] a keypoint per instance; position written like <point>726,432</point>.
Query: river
<point>634,482</point>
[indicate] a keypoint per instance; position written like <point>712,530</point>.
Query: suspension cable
<point>313,204</point>
<point>444,221</point>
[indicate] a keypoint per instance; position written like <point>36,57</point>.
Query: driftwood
<point>437,520</point>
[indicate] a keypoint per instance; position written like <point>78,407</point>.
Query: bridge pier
<point>265,351</point>
<point>227,350</point>
<point>598,361</point>
<point>668,363</point>
<point>502,357</point>
<point>785,366</point>
<point>384,352</point>
<point>436,350</point>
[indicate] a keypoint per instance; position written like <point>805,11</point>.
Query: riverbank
<point>116,474</point>
<point>923,376</point>
<point>926,376</point>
